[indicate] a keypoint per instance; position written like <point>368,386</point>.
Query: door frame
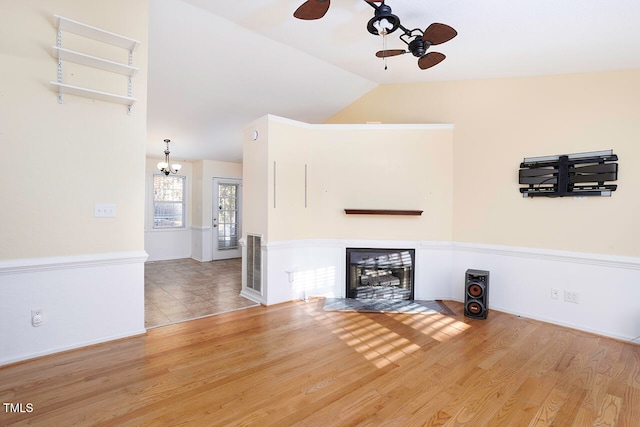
<point>218,254</point>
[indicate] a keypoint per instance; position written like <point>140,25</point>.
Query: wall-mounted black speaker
<point>476,294</point>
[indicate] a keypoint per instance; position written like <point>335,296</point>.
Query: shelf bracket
<point>130,82</point>
<point>59,44</point>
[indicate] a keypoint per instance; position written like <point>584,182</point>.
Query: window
<point>168,201</point>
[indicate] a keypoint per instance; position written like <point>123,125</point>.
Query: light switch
<point>102,210</point>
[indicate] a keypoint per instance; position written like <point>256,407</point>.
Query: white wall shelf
<point>91,32</point>
<point>104,36</point>
<point>93,94</point>
<point>94,61</point>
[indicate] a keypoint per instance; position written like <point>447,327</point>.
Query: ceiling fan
<point>384,22</point>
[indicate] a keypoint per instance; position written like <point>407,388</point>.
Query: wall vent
<point>254,262</point>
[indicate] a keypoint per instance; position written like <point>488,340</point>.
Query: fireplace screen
<point>380,273</point>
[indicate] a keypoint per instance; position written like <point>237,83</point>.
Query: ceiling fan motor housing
<point>418,47</point>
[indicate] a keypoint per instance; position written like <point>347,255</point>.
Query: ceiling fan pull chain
<point>384,47</point>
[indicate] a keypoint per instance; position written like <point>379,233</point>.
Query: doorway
<point>185,289</point>
<point>227,218</point>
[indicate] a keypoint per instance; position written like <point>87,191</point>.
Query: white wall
<point>167,244</point>
<point>84,300</point>
<point>84,272</point>
<point>521,279</point>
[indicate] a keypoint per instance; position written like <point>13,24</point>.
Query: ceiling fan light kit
<point>383,23</point>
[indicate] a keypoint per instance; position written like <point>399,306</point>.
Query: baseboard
<point>594,331</point>
<point>76,346</point>
<point>253,296</point>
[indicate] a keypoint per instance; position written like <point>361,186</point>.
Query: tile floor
<point>185,289</point>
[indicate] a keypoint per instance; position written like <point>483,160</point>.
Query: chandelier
<point>167,167</point>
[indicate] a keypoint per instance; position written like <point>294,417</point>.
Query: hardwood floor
<point>294,364</point>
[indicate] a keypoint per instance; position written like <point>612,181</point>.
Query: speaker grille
<point>475,289</point>
<point>475,307</point>
<point>476,304</point>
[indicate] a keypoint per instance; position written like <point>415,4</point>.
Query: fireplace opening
<point>380,273</point>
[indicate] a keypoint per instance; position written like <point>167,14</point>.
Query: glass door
<point>227,218</point>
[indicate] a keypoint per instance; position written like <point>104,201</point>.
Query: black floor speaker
<point>476,294</point>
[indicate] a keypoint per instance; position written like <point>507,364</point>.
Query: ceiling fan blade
<point>430,59</point>
<point>389,52</point>
<point>438,34</point>
<point>312,9</point>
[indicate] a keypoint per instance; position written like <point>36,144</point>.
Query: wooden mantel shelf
<point>381,212</point>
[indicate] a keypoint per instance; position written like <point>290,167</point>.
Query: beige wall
<point>357,167</point>
<point>212,169</point>
<point>497,123</point>
<point>197,188</point>
<point>61,159</point>
<point>255,178</point>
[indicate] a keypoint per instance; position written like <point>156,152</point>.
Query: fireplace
<point>380,273</point>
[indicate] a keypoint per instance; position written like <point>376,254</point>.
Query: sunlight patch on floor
<point>380,345</point>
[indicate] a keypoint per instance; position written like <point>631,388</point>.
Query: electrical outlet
<point>36,316</point>
<point>573,297</point>
<point>555,293</point>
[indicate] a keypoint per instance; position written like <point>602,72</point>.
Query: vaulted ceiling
<point>216,65</point>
